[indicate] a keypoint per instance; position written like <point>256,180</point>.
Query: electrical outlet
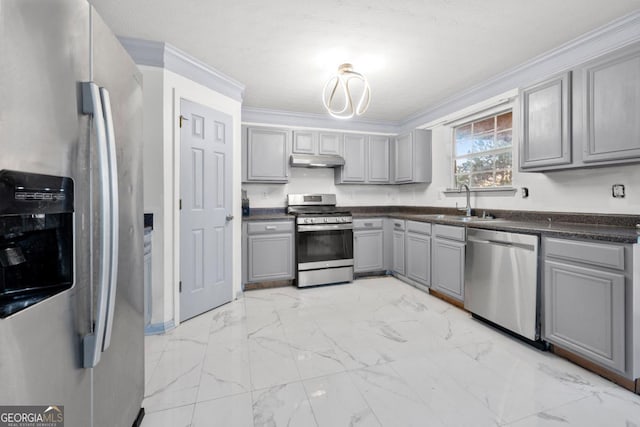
<point>617,191</point>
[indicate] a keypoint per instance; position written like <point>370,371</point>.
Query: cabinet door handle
<point>270,227</point>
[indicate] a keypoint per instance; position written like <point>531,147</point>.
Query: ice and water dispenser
<point>36,238</point>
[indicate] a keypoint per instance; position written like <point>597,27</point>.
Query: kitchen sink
<point>460,218</point>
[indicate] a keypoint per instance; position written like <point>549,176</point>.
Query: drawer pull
<point>397,224</point>
<point>270,227</point>
<point>368,224</point>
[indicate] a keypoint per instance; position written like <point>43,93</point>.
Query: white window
<point>482,152</point>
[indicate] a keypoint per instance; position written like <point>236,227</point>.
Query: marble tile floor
<point>375,352</point>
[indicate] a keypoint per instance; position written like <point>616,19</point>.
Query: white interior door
<point>205,215</point>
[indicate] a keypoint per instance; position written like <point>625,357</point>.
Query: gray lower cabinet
<point>265,154</point>
<point>269,251</point>
<point>412,157</point>
<point>398,246</point>
<point>418,257</point>
<point>368,245</point>
<point>585,308</point>
<point>447,260</point>
<point>545,110</point>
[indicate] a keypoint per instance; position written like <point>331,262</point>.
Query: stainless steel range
<point>324,240</point>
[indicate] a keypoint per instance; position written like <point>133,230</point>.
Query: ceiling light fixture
<point>338,90</point>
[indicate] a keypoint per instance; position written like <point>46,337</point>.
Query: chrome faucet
<point>466,209</point>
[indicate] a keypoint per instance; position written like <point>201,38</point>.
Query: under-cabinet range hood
<point>316,161</point>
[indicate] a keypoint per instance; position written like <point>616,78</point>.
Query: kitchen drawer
<point>601,254</point>
<point>258,227</point>
<point>419,227</point>
<point>398,224</point>
<point>371,223</point>
<point>449,232</point>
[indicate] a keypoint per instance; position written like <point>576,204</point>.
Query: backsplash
<point>321,180</point>
<point>585,190</point>
<point>576,190</point>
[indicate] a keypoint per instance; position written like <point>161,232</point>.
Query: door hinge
<point>182,119</point>
<point>180,204</point>
<point>180,286</point>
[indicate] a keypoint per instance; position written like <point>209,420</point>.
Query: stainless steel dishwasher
<point>502,280</point>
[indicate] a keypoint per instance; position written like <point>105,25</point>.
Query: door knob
<point>229,217</point>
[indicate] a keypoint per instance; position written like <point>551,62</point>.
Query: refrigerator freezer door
<point>44,54</point>
<point>119,377</point>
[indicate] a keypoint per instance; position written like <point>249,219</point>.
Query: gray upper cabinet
<point>305,142</point>
<point>403,158</point>
<point>412,157</point>
<point>546,123</point>
<point>367,160</point>
<point>317,142</point>
<point>330,143</point>
<point>368,245</point>
<point>585,309</point>
<point>610,89</point>
<point>265,154</point>
<point>354,152</point>
<point>447,260</point>
<point>584,118</point>
<point>379,166</point>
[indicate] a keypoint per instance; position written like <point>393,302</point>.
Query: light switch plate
<point>617,190</point>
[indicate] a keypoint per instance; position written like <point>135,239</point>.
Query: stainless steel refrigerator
<point>71,215</point>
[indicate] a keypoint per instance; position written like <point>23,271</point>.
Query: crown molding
<point>163,55</point>
<point>252,115</point>
<point>616,34</point>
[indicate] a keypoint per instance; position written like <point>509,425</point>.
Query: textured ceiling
<point>415,53</point>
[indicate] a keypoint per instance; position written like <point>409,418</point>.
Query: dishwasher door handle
<point>502,243</point>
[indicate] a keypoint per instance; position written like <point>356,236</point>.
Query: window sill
<point>498,191</point>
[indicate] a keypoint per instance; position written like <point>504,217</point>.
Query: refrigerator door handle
<point>112,166</point>
<point>93,342</point>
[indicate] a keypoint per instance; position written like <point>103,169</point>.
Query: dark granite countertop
<point>612,228</point>
<point>266,214</point>
<point>267,217</point>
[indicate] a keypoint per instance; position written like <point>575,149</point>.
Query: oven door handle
<point>324,227</point>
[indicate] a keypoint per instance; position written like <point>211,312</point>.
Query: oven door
<point>324,246</point>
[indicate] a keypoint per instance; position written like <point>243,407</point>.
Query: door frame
<point>194,92</point>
